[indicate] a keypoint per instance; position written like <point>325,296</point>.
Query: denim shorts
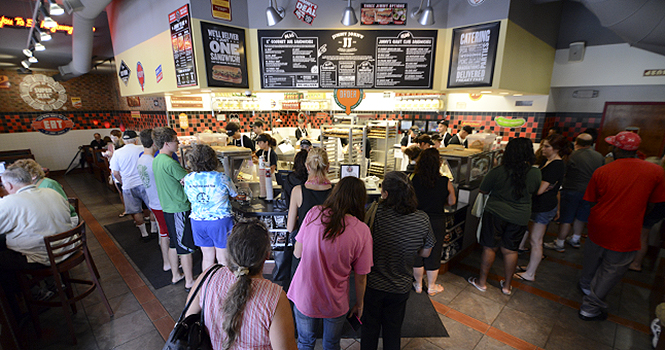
<point>212,233</point>
<point>133,198</point>
<point>573,207</point>
<point>543,217</point>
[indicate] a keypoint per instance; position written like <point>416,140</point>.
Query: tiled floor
<point>542,314</point>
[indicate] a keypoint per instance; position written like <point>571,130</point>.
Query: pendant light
<point>274,14</point>
<point>417,11</point>
<point>427,17</point>
<point>349,17</point>
<point>55,9</point>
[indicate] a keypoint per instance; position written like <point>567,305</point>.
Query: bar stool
<point>72,245</point>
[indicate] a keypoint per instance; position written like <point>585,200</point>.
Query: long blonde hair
<point>317,163</point>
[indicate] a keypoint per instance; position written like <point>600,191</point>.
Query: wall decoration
<point>647,73</point>
<point>305,11</point>
<point>509,122</point>
<point>183,121</point>
<point>4,82</point>
<point>383,14</point>
<point>76,102</point>
<point>52,124</point>
<point>136,114</point>
<point>140,74</point>
<point>473,55</point>
<point>133,101</point>
<point>181,44</point>
<point>348,99</point>
<point>221,9</point>
<point>42,92</point>
<point>330,59</point>
<point>124,72</point>
<point>224,51</point>
<point>158,74</point>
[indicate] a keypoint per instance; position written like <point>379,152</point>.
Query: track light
<point>50,23</point>
<point>417,11</point>
<point>33,59</point>
<point>349,16</point>
<point>25,64</point>
<point>55,9</point>
<point>427,17</point>
<point>274,14</point>
<point>27,52</point>
<point>44,36</point>
<point>39,47</point>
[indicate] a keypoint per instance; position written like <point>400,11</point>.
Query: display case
<point>381,137</point>
<point>467,166</point>
<point>345,144</point>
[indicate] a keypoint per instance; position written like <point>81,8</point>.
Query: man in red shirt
<point>621,190</point>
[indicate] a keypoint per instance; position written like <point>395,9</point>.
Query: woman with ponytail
<point>266,145</point>
<point>332,241</point>
<point>242,309</point>
<point>510,187</point>
<point>400,232</point>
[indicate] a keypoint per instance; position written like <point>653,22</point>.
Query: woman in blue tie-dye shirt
<point>209,190</point>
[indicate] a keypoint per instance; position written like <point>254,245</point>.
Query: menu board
<point>330,59</point>
<point>383,14</point>
<point>473,55</point>
<point>181,43</point>
<point>224,51</point>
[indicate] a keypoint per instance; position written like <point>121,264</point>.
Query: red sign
<point>52,124</point>
<point>140,74</point>
<point>4,82</point>
<point>305,11</point>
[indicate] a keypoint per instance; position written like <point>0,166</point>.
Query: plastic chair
<point>72,246</point>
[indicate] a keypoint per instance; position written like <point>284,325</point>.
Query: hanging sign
<point>181,44</point>
<point>42,92</point>
<point>140,74</point>
<point>52,124</point>
<point>124,72</point>
<point>473,55</point>
<point>348,99</point>
<point>305,11</point>
<point>221,9</point>
<point>383,14</point>
<point>224,52</point>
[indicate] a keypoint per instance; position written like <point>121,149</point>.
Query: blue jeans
<point>307,327</point>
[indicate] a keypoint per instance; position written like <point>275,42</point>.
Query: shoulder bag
<point>189,332</point>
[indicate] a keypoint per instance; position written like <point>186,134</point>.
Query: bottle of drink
<point>262,177</point>
<point>268,184</point>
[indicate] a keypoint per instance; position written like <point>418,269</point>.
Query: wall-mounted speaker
<point>576,53</point>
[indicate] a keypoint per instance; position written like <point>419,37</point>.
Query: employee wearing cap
<point>408,138</point>
<point>621,191</point>
<point>424,141</point>
<point>237,139</point>
<point>265,142</point>
<point>301,130</point>
<point>305,145</point>
<point>442,129</point>
<point>257,129</point>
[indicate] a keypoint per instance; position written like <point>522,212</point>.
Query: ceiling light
<point>274,14</point>
<point>417,11</point>
<point>427,18</point>
<point>349,17</point>
<point>25,64</point>
<point>504,93</point>
<point>486,92</point>
<point>27,52</point>
<point>44,36</point>
<point>33,59</point>
<point>49,23</point>
<point>56,10</point>
<point>518,94</point>
<point>39,47</point>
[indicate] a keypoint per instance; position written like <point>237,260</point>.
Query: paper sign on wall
<point>76,102</point>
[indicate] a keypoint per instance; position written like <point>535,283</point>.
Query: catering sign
<point>181,44</point>
<point>52,124</point>
<point>331,59</point>
<point>473,55</point>
<point>224,51</point>
<point>383,14</point>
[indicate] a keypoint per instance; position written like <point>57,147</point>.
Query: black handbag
<point>282,270</point>
<point>189,332</point>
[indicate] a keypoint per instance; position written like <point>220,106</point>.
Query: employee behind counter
<point>237,139</point>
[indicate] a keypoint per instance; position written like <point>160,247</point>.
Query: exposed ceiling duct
<point>641,23</point>
<point>83,18</point>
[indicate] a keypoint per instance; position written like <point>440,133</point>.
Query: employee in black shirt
<point>237,139</point>
<point>257,129</point>
<point>409,137</point>
<point>266,143</point>
<point>301,131</point>
<point>460,137</point>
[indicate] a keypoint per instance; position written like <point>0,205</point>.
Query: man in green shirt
<point>175,205</point>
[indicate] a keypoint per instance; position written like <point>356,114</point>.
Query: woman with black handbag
<point>242,309</point>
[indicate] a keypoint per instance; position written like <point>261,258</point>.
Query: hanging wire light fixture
<point>349,17</point>
<point>274,14</point>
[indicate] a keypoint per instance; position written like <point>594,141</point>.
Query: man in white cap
<point>123,164</point>
<point>621,191</point>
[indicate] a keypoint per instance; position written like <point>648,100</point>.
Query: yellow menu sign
<point>221,9</point>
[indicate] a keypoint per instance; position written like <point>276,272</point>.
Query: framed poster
<point>181,43</point>
<point>224,51</point>
<point>383,14</point>
<point>473,55</point>
<point>338,59</point>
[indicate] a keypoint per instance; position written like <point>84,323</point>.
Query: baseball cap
<point>625,140</point>
<point>444,122</point>
<point>258,123</point>
<point>415,128</point>
<point>129,134</point>
<point>262,137</point>
<point>305,142</point>
<point>424,139</point>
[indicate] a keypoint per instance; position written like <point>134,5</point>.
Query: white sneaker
<point>554,246</point>
<point>655,329</point>
<point>573,243</point>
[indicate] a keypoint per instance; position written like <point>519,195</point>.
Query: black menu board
<point>473,55</point>
<point>224,51</point>
<point>331,59</point>
<point>181,43</point>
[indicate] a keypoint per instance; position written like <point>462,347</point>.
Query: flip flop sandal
<point>521,278</point>
<point>520,268</point>
<point>417,288</point>
<point>434,291</point>
<point>122,215</point>
<point>472,281</point>
<point>510,290</point>
<point>182,277</point>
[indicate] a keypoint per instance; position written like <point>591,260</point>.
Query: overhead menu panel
<point>473,55</point>
<point>329,59</point>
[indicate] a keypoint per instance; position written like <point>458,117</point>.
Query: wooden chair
<point>72,245</point>
<point>87,152</point>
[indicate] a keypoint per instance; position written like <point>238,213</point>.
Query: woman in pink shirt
<point>332,241</point>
